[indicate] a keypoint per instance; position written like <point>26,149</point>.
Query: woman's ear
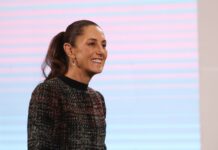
<point>69,50</point>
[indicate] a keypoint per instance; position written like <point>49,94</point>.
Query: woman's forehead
<point>93,32</point>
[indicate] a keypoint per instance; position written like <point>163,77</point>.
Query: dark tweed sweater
<point>66,115</point>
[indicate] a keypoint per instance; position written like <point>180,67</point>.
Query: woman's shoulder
<point>95,92</point>
<point>47,85</point>
<point>45,95</point>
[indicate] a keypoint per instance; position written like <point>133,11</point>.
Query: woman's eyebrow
<point>93,39</point>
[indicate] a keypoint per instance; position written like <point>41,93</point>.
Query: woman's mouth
<point>97,60</point>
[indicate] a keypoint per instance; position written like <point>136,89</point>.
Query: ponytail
<point>55,58</point>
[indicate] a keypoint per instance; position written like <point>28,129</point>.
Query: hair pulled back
<point>56,59</point>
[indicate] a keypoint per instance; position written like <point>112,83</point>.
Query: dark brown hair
<point>56,58</point>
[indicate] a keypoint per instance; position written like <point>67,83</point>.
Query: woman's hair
<point>56,57</point>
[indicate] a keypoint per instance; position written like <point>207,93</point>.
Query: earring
<point>73,62</point>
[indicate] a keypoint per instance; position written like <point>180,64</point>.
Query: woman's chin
<point>95,71</point>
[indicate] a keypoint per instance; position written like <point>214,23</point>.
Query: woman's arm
<point>103,103</point>
<point>41,120</point>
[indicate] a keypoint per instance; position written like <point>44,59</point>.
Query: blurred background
<point>150,81</point>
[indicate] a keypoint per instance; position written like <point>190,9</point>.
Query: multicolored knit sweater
<point>66,115</point>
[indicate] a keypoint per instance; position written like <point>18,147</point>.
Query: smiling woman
<point>87,57</point>
<point>64,113</point>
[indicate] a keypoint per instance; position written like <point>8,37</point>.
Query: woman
<point>64,113</point>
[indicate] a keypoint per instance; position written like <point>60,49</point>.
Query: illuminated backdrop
<point>150,81</point>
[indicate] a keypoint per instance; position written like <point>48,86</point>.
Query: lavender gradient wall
<point>150,81</point>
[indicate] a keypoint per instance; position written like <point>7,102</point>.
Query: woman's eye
<point>104,45</point>
<point>91,44</point>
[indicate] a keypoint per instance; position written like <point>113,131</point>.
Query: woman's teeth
<point>97,60</point>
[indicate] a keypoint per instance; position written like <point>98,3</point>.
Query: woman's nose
<point>100,49</point>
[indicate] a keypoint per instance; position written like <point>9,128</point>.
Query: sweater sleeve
<point>41,120</point>
<point>103,103</point>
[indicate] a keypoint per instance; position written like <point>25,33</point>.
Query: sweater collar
<point>74,84</point>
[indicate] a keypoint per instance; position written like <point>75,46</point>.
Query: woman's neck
<point>78,76</point>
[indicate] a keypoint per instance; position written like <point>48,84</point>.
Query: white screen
<point>150,80</point>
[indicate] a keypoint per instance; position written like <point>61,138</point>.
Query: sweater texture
<point>66,115</point>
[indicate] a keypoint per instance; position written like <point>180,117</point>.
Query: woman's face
<point>90,50</point>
